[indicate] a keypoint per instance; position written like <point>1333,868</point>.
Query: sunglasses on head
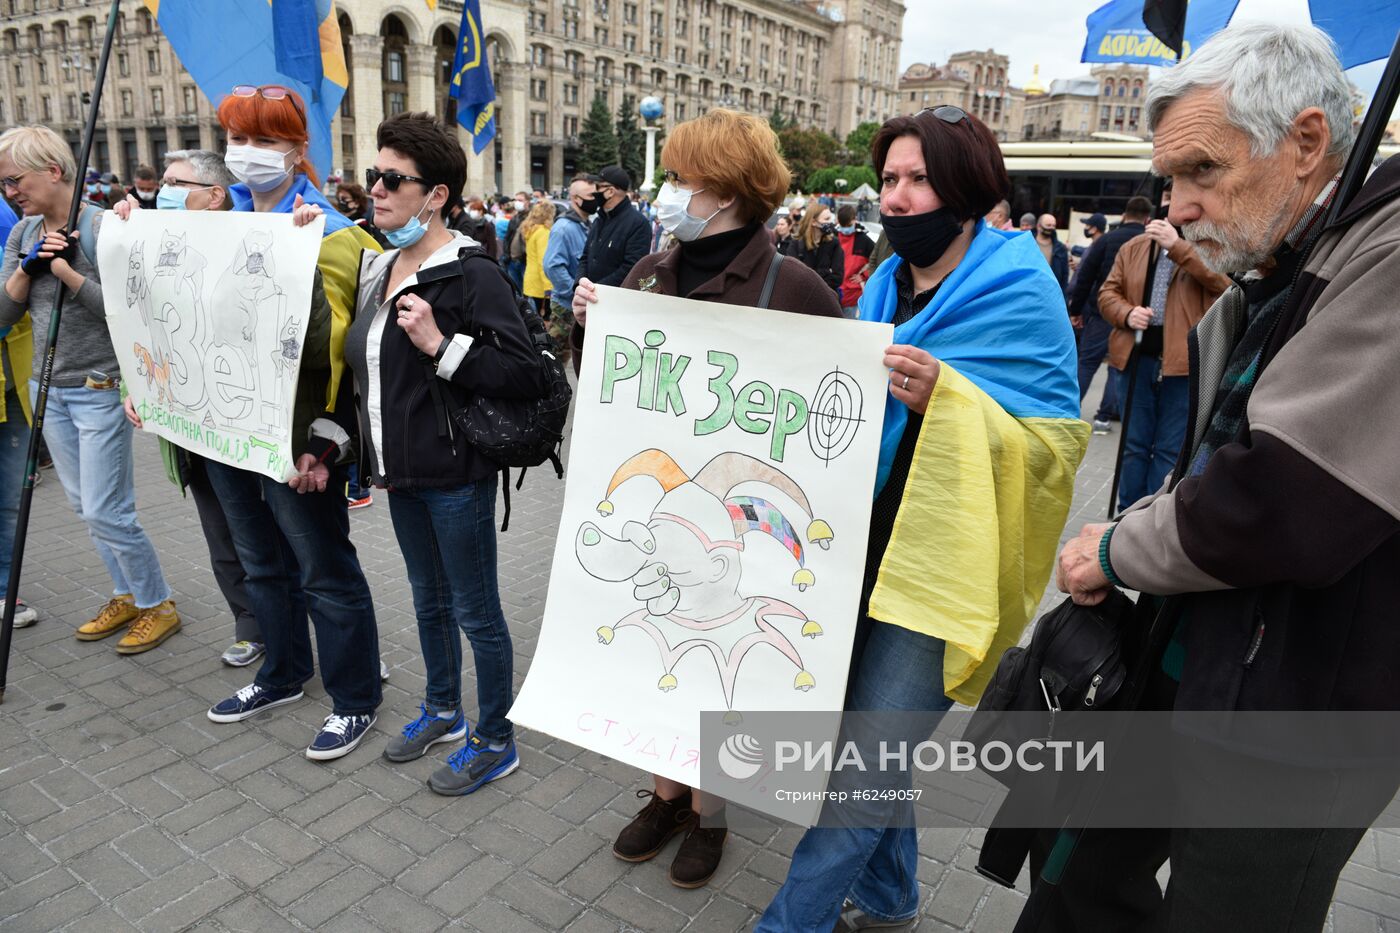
<point>947,113</point>
<point>270,92</point>
<point>391,180</point>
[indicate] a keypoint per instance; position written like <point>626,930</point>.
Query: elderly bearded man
<point>1275,541</point>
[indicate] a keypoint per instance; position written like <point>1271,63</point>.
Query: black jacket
<point>826,260</point>
<point>404,401</point>
<point>616,240</point>
<point>1059,261</point>
<point>483,231</point>
<point>1095,267</point>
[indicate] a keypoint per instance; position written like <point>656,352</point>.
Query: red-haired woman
<point>300,529</point>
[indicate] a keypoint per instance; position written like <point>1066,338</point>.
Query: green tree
<point>859,139</point>
<point>806,151</point>
<point>825,180</point>
<point>631,141</point>
<point>777,121</point>
<point>598,141</point>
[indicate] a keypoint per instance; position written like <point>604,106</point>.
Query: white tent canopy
<point>864,191</point>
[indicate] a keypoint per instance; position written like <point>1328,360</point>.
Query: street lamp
<point>651,110</point>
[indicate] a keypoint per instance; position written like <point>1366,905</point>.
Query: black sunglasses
<point>947,113</point>
<point>391,180</point>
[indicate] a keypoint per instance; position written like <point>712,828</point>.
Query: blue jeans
<point>868,852</point>
<point>1156,427</point>
<point>14,454</point>
<point>281,535</point>
<point>1093,347</point>
<point>353,489</point>
<point>89,439</point>
<point>516,270</point>
<point>448,540</point>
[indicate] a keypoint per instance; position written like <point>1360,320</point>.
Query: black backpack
<point>520,433</point>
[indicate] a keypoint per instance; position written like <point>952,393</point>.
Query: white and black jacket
<point>404,400</point>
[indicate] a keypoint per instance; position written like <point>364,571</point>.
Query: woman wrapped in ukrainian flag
<point>293,538</point>
<point>981,442</point>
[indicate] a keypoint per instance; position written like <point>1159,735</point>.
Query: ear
<point>1312,137</point>
<point>217,196</point>
<point>720,562</point>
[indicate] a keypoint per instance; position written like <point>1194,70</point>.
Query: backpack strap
<point>770,281</point>
<point>86,241</point>
<point>505,493</point>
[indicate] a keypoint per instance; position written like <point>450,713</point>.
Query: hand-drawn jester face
<point>172,250</point>
<point>135,273</point>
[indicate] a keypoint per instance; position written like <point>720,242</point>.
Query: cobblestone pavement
<point>122,807</point>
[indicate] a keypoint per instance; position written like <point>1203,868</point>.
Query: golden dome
<point>1034,87</point>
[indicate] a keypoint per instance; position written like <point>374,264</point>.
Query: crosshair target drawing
<point>835,415</point>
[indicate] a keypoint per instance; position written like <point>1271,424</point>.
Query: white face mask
<point>521,205</point>
<point>260,169</point>
<point>675,219</point>
<point>474,215</point>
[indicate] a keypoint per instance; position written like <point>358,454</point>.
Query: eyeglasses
<point>271,92</point>
<point>391,180</point>
<point>947,113</point>
<point>672,177</point>
<point>182,183</point>
<point>12,181</point>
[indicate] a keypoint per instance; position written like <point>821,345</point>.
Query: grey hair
<point>1268,74</point>
<point>209,168</point>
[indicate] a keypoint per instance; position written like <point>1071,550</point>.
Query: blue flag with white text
<point>471,80</point>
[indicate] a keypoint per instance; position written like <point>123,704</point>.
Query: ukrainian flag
<point>291,42</point>
<point>992,477</point>
<point>471,79</point>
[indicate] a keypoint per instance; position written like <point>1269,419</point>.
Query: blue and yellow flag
<point>471,80</point>
<point>992,476</point>
<point>1117,33</point>
<point>291,42</point>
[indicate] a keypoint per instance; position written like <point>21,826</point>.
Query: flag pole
<point>26,496</point>
<point>1368,138</point>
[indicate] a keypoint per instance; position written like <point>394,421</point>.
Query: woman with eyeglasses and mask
<point>300,529</point>
<point>981,441</point>
<point>724,178</point>
<point>87,433</point>
<point>438,323</point>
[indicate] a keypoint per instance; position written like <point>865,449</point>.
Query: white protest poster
<point>208,313</point>
<point>714,529</point>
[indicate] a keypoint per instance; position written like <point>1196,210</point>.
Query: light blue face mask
<point>410,232</point>
<point>171,198</point>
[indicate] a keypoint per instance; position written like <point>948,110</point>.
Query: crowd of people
<point>1256,479</point>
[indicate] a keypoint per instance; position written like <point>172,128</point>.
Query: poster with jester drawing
<point>714,529</point>
<point>208,313</point>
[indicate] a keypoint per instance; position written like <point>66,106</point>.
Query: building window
<point>157,101</point>
<point>19,75</point>
<point>126,103</point>
<point>393,66</point>
<point>397,103</point>
<point>22,110</point>
<point>192,102</point>
<point>46,108</point>
<point>573,62</point>
<point>571,93</point>
<point>123,65</point>
<point>70,107</point>
<point>152,62</point>
<point>43,72</point>
<point>539,88</point>
<point>539,56</point>
<point>629,42</point>
<point>537,123</point>
<point>571,126</point>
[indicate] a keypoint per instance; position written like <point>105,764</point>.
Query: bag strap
<point>770,281</point>
<point>505,493</point>
<point>86,241</point>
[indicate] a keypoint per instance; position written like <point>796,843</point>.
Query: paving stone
<point>565,855</point>
<point>188,910</point>
<point>223,827</point>
<point>292,885</point>
<point>723,914</point>
<point>21,897</point>
<point>244,863</point>
<point>102,920</point>
<point>636,908</point>
<point>285,841</point>
<point>340,892</point>
<point>420,836</point>
<point>95,833</point>
<point>543,903</point>
<point>57,911</point>
<point>428,874</point>
<point>597,873</point>
<point>956,898</point>
<point>392,909</point>
<point>384,857</point>
<point>22,859</point>
<point>25,803</point>
<point>144,900</point>
<point>463,891</point>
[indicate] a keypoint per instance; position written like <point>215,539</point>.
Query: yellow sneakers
<point>152,626</point>
<point>118,612</point>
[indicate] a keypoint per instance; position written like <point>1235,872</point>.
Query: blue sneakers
<point>250,701</point>
<point>338,736</point>
<point>473,765</point>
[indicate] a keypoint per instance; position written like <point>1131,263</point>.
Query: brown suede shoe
<point>653,827</point>
<point>698,857</point>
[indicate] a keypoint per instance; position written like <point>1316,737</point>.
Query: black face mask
<point>591,206</point>
<point>828,229</point>
<point>921,239</point>
<point>1162,212</point>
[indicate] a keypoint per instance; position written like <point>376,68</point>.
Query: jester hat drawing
<point>706,505</point>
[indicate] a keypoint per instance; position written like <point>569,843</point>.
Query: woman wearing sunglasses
<point>438,322</point>
<point>977,458</point>
<point>300,529</point>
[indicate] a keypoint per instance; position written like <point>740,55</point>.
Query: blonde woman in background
<point>535,232</point>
